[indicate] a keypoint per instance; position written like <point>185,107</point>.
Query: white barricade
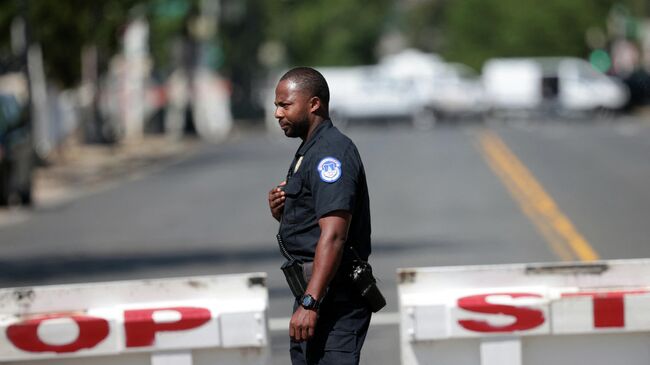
<point>180,321</point>
<point>596,313</point>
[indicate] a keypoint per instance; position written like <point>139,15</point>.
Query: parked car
<point>411,85</point>
<point>398,87</point>
<point>364,92</point>
<point>16,153</point>
<point>556,85</point>
<point>458,93</point>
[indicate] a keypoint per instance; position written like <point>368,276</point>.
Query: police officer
<point>324,215</point>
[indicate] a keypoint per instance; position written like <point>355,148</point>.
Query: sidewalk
<point>79,169</point>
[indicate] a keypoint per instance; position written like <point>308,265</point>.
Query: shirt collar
<point>318,132</point>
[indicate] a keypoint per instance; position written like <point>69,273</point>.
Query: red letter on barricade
<point>141,328</point>
<point>92,331</point>
<point>609,307</point>
<point>526,318</point>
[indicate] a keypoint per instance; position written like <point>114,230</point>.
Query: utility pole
<point>20,42</point>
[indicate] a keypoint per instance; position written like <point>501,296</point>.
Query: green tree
<point>63,28</point>
<point>476,30</point>
<point>328,32</point>
<point>422,24</point>
<point>168,23</point>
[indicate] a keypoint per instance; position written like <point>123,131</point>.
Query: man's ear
<point>314,104</point>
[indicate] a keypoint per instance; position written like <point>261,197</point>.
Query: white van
<point>399,87</point>
<point>560,85</point>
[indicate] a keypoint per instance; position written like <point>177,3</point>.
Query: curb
<point>80,170</point>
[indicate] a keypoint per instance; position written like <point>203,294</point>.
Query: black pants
<point>341,329</point>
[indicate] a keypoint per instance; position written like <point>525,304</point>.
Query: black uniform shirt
<point>326,175</point>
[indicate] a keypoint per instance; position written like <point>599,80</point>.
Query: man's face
<point>292,109</point>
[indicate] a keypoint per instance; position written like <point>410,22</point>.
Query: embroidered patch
<point>329,169</point>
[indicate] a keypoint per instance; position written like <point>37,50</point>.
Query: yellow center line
<point>556,243</point>
<point>534,201</point>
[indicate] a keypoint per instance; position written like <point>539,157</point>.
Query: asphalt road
<point>450,196</point>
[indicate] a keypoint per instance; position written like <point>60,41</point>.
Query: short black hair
<point>311,81</point>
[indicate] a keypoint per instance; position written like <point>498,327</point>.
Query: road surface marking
<point>378,319</point>
<point>565,240</point>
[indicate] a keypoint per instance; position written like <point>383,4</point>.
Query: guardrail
<point>595,313</point>
<point>180,321</point>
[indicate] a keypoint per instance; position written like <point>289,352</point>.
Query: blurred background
<point>137,137</point>
<point>117,70</point>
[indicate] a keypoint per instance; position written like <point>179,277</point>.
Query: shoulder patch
<point>329,169</point>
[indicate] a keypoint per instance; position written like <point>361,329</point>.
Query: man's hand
<point>276,201</point>
<point>303,324</point>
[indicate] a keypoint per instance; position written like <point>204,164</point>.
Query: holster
<point>295,275</point>
<point>367,285</point>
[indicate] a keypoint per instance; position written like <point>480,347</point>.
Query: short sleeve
<point>333,179</point>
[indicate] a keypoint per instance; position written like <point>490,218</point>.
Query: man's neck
<point>312,127</point>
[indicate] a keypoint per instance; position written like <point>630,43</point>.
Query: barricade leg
<point>504,351</point>
<point>172,358</point>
